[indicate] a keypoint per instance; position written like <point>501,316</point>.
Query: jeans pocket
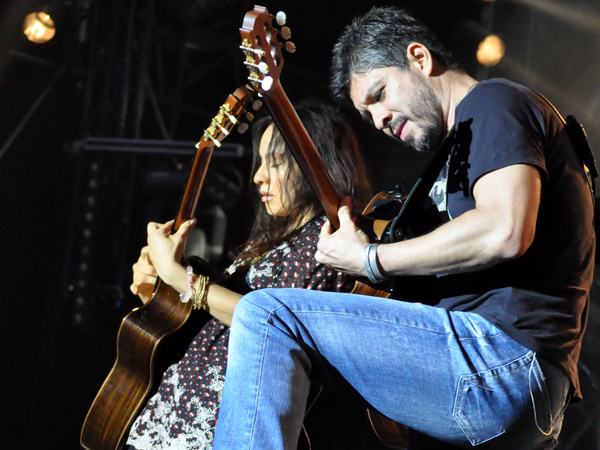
<point>489,402</point>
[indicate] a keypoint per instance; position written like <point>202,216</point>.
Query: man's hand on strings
<point>342,248</point>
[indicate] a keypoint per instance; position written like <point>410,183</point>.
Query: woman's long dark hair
<point>339,149</point>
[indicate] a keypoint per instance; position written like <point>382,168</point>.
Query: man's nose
<point>381,117</point>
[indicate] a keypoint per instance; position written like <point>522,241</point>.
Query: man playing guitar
<point>487,355</point>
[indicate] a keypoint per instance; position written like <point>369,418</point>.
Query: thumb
<point>345,213</point>
<point>145,255</point>
<point>326,229</point>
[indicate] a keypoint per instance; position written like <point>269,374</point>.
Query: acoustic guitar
<point>265,61</point>
<point>131,379</point>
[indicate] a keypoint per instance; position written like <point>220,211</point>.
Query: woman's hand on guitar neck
<point>161,258</point>
<point>166,252</point>
<point>342,248</point>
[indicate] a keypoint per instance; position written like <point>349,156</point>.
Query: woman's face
<point>270,177</point>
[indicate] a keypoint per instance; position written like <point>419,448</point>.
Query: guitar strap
<point>581,145</point>
<point>420,190</point>
<point>582,148</point>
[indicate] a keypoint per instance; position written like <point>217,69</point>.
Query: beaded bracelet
<point>189,292</point>
<point>370,264</point>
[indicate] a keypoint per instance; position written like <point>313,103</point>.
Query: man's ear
<point>419,59</point>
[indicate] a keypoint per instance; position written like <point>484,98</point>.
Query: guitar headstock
<point>260,44</point>
<point>229,116</point>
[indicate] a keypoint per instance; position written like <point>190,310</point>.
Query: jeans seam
<point>541,384</point>
<point>467,379</point>
<point>270,315</point>
<point>504,367</point>
<point>486,338</point>
<point>378,319</point>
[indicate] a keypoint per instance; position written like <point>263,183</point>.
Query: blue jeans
<point>452,376</point>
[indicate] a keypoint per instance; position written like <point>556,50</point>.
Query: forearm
<point>501,227</point>
<point>471,242</point>
<point>220,301</point>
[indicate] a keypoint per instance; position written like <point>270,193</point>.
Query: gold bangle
<point>200,293</point>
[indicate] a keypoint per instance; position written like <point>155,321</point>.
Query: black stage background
<point>96,133</point>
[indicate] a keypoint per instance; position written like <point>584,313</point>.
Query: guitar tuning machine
<point>290,47</point>
<point>242,127</point>
<point>281,18</point>
<point>257,104</point>
<point>266,83</point>
<point>263,67</point>
<point>285,33</point>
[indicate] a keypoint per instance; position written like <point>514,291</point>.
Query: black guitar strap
<point>420,190</point>
<point>581,145</point>
<point>583,149</point>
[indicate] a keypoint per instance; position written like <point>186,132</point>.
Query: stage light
<point>39,27</point>
<point>490,51</point>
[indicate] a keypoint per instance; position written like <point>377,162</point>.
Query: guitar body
<point>131,379</point>
<point>161,324</point>
<point>388,431</point>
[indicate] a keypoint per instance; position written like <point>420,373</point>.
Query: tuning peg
<point>286,33</point>
<point>281,18</point>
<point>242,128</point>
<point>290,47</point>
<point>263,67</point>
<point>266,83</point>
<point>250,116</point>
<point>257,104</point>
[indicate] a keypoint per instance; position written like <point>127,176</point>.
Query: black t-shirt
<point>540,299</point>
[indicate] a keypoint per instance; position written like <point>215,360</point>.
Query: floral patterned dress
<point>183,412</point>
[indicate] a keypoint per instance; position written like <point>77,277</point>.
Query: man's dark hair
<point>380,39</point>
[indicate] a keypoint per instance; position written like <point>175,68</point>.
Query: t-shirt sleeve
<point>504,128</point>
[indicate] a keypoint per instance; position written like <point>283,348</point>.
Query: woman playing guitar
<point>279,253</point>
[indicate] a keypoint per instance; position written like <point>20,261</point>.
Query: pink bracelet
<point>190,292</point>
